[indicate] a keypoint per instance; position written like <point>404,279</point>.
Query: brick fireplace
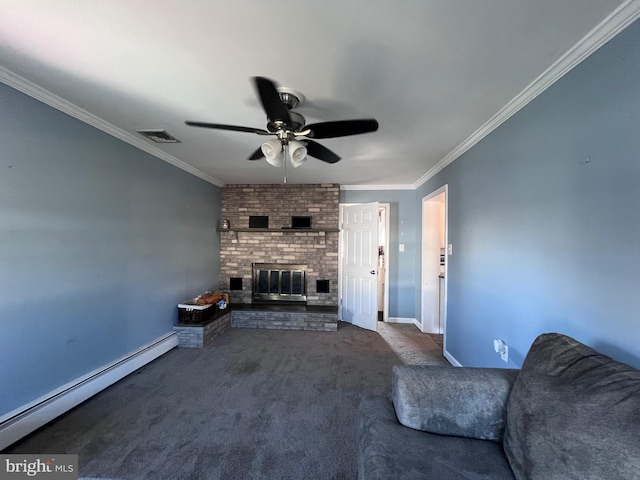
<point>316,248</point>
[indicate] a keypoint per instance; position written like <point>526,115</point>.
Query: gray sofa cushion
<point>467,402</point>
<point>573,414</point>
<point>388,450</point>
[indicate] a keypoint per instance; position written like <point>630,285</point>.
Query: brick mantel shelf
<point>316,230</point>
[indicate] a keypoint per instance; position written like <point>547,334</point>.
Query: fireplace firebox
<point>277,282</point>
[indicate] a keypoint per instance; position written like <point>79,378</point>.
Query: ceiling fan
<point>294,138</point>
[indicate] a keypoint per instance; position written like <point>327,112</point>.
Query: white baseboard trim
<point>400,320</point>
<point>30,417</point>
<point>452,360</point>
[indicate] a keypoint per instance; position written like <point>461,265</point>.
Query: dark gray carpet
<point>267,404</point>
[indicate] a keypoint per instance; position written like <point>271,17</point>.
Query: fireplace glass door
<point>279,282</point>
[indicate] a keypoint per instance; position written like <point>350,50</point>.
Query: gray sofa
<point>569,413</point>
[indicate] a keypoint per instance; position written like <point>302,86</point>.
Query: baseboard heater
<point>28,418</point>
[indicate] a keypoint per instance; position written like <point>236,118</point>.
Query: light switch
<point>450,249</point>
<point>401,247</point>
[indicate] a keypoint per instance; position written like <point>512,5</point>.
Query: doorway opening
<point>435,254</point>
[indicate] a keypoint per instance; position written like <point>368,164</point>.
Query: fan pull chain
<point>285,149</point>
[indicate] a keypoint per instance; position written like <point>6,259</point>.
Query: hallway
<point>411,345</point>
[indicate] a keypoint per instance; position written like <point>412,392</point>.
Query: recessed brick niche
<point>316,249</point>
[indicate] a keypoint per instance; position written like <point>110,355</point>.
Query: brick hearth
<point>200,335</point>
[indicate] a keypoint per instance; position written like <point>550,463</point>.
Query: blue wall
<point>543,240</point>
<point>403,274</point>
<point>98,243</point>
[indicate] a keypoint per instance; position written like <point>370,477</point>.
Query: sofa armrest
<point>465,402</point>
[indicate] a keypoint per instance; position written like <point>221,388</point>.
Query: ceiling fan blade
<point>233,128</point>
<point>342,128</point>
<point>314,149</point>
<point>257,155</point>
<point>270,98</point>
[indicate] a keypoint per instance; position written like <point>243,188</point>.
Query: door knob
<point>372,272</point>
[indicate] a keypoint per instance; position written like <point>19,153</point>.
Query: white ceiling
<point>432,72</point>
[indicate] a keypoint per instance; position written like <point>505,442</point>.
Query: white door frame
<point>444,189</point>
<point>387,207</point>
<point>387,212</point>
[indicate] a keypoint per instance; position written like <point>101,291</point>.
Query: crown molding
<point>614,23</point>
<point>377,187</point>
<point>31,89</point>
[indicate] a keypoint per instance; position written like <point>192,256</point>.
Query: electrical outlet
<point>401,247</point>
<point>504,355</point>
<point>502,349</point>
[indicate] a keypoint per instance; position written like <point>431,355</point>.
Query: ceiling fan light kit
<point>289,126</point>
<point>276,161</point>
<point>297,153</point>
<point>272,150</point>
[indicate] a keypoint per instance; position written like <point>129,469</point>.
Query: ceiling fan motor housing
<point>290,98</point>
<point>295,125</point>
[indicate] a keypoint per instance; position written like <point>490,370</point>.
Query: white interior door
<point>359,265</point>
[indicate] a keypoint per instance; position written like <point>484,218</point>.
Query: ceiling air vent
<point>159,136</point>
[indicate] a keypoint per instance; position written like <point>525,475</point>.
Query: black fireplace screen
<point>279,282</point>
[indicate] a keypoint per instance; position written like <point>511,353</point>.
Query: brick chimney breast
<point>317,248</point>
